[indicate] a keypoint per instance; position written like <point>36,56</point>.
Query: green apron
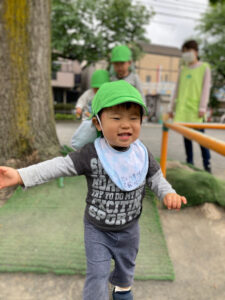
<point>189,94</point>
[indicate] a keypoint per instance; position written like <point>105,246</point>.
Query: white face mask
<point>188,57</point>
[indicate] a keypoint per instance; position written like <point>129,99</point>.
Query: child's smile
<point>124,135</point>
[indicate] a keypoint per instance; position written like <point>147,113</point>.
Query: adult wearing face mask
<point>191,96</point>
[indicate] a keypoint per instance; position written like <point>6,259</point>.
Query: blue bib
<point>127,169</point>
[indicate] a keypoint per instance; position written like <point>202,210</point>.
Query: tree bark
<point>26,107</point>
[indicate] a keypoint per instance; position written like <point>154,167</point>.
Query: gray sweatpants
<point>101,247</point>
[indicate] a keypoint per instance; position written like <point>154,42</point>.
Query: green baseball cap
<point>114,93</point>
<point>121,54</point>
<point>99,77</point>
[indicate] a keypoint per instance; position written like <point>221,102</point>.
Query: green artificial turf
<point>41,230</point>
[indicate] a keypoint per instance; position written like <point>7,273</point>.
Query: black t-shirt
<point>108,207</point>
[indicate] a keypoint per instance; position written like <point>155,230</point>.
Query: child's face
<point>121,126</point>
<point>121,68</point>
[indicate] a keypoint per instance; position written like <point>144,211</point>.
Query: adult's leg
<point>189,151</point>
<point>205,156</point>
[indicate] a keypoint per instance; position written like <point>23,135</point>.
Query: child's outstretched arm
<point>9,177</point>
<point>37,174</point>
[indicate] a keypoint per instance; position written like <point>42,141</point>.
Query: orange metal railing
<point>202,139</point>
<point>203,125</point>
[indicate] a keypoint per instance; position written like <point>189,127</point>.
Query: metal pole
<point>203,125</point>
<point>164,146</point>
<point>202,139</point>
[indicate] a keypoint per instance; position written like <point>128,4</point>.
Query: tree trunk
<point>26,108</point>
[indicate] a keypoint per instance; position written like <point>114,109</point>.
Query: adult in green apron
<point>192,95</point>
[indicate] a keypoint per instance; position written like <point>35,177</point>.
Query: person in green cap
<point>117,167</point>
<point>86,132</point>
<point>191,96</point>
<point>83,105</point>
<point>121,59</point>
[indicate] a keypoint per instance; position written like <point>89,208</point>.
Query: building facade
<point>158,70</point>
<point>66,82</point>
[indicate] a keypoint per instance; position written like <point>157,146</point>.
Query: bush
<point>65,117</point>
<point>197,186</point>
<point>64,106</point>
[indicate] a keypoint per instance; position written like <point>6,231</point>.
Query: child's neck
<point>124,76</point>
<point>122,149</point>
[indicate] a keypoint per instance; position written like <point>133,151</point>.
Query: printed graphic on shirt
<point>108,207</point>
<point>108,204</point>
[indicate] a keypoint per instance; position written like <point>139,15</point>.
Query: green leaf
<point>212,30</point>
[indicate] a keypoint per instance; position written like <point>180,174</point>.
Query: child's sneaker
<point>122,295</point>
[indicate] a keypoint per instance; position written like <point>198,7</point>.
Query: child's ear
<point>95,122</point>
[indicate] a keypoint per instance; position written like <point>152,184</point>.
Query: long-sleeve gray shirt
<point>107,207</point>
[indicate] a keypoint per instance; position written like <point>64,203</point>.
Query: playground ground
<point>195,238</point>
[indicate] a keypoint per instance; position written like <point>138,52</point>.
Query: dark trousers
<point>189,152</point>
<point>103,246</point>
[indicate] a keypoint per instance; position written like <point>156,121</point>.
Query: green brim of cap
<point>122,100</point>
<point>122,59</point>
<point>115,93</point>
<point>97,85</point>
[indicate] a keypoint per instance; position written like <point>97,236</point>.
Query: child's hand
<point>9,177</point>
<point>201,114</point>
<point>87,114</point>
<point>174,201</point>
<point>170,114</point>
<point>78,112</point>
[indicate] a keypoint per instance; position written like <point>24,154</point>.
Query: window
<point>148,78</point>
<point>54,75</point>
<point>77,79</point>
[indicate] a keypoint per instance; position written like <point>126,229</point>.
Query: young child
<point>86,132</point>
<point>117,167</point>
<point>121,59</point>
<point>192,96</point>
<point>83,106</point>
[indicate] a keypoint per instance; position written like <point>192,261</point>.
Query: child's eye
<point>134,118</point>
<point>116,118</point>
